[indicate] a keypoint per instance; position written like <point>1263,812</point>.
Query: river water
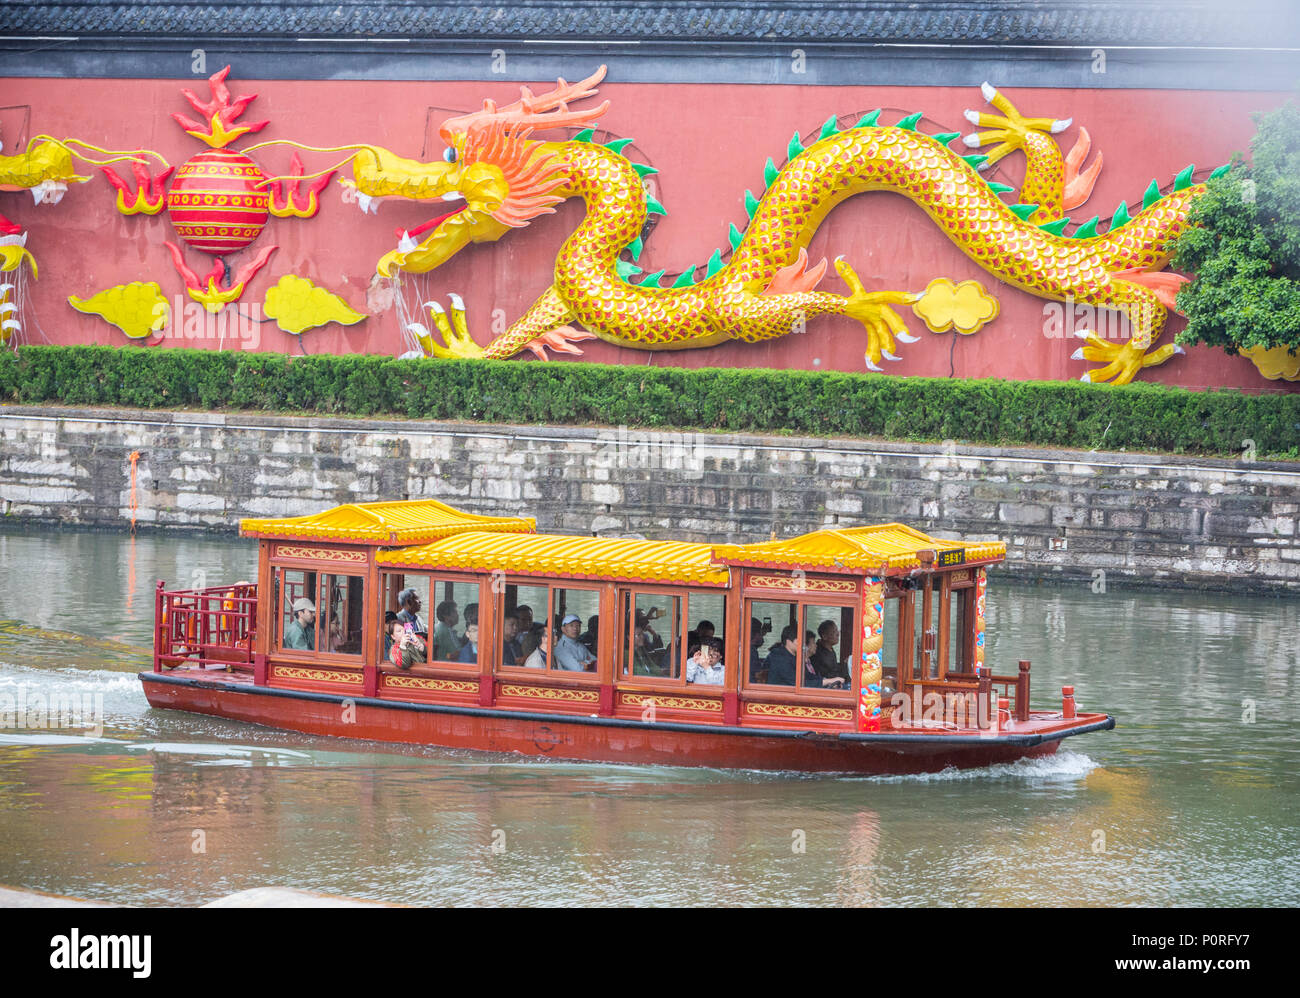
<point>1191,800</point>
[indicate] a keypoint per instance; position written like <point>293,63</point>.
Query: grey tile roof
<point>1243,23</point>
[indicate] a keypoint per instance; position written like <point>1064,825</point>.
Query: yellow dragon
<point>500,178</point>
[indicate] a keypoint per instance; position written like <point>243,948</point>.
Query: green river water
<point>1191,800</point>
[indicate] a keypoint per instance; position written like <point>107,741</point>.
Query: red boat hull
<point>600,739</point>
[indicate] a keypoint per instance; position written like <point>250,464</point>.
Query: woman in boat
<point>704,667</point>
<point>534,648</point>
<point>406,649</point>
<point>643,663</point>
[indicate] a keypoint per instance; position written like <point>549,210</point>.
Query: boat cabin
<point>814,632</point>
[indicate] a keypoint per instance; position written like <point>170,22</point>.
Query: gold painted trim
<point>315,675</point>
<point>792,584</point>
<point>794,710</point>
<point>551,693</point>
<point>320,554</point>
<point>669,703</point>
<point>423,683</point>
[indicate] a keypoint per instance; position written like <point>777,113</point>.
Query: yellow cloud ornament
<point>138,308</point>
<point>966,307</point>
<point>296,305</point>
<point>1275,364</point>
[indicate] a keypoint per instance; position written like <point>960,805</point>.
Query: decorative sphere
<point>215,203</point>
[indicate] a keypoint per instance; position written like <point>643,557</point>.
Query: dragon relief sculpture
<point>500,178</point>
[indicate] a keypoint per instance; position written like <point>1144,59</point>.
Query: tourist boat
<point>882,629</point>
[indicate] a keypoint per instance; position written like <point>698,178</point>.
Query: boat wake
<point>1063,767</point>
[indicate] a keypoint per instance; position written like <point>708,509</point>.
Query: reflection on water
<point>1184,803</point>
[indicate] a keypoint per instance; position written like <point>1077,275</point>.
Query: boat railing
<point>1015,689</point>
<point>212,627</point>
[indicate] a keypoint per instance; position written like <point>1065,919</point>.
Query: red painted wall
<point>709,144</point>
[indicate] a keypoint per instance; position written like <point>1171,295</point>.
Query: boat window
<point>574,616</point>
<point>769,625</point>
<point>827,647</point>
<point>959,659</point>
<point>653,633</point>
<point>889,651</point>
<point>526,608</point>
<point>925,631</point>
<point>342,614</point>
<point>297,628</point>
<point>453,619</point>
<point>707,617</point>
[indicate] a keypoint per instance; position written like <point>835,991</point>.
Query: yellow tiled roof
<point>892,545</point>
<point>559,554</point>
<point>406,522</point>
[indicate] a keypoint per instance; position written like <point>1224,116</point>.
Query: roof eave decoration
<point>889,548</point>
<point>408,522</point>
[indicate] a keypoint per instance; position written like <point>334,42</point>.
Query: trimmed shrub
<point>813,403</point>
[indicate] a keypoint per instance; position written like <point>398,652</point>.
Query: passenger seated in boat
<point>446,643</point>
<point>643,663</point>
<point>406,648</point>
<point>589,638</point>
<point>704,631</point>
<point>831,671</point>
<point>471,617</point>
<point>534,648</point>
<point>653,641</point>
<point>301,632</point>
<point>782,665</point>
<point>570,653</point>
<point>704,667</point>
<point>389,617</point>
<point>757,666</point>
<point>510,650</point>
<point>469,652</point>
<point>409,601</point>
<point>525,615</point>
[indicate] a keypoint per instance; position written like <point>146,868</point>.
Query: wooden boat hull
<point>605,739</point>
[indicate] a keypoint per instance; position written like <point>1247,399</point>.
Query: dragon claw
<point>453,330</point>
<point>1060,125</point>
<point>988,90</point>
<point>1122,360</point>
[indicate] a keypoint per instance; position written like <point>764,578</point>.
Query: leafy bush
<point>813,403</point>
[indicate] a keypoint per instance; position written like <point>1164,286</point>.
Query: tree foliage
<point>1244,246</point>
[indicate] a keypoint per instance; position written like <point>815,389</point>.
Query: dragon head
<point>493,172</point>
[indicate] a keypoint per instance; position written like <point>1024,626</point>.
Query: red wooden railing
<point>205,627</point>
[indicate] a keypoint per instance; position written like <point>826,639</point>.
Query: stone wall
<point>1139,518</point>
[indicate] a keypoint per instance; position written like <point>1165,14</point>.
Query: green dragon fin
<point>1184,178</point>
<point>794,148</point>
<point>1000,188</point>
<point>1022,211</point>
<point>943,138</point>
<point>829,127</point>
<point>652,280</point>
<point>1121,216</point>
<point>770,172</point>
<point>908,124</point>
<point>618,145</point>
<point>584,135</point>
<point>653,207</point>
<point>975,159</point>
<point>685,279</point>
<point>625,269</point>
<point>635,247</point>
<point>734,236</point>
<point>1220,171</point>
<point>644,171</point>
<point>1056,228</point>
<point>715,264</point>
<point>868,119</point>
<point>751,204</point>
<point>1151,196</point>
<point>1088,229</point>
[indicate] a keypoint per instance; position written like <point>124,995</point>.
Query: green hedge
<point>1044,413</point>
